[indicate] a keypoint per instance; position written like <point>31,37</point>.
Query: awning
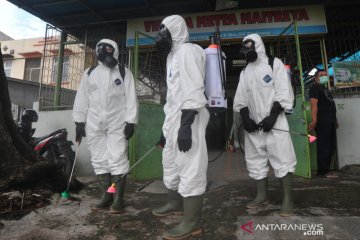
<point>66,52</point>
<point>33,54</point>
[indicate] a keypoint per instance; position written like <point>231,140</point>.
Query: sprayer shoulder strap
<point>121,70</point>
<point>91,69</point>
<point>271,62</point>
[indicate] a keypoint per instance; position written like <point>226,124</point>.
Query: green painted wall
<point>147,133</point>
<point>301,144</point>
<point>312,146</point>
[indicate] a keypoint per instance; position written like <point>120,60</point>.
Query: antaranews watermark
<point>297,227</point>
<point>307,229</point>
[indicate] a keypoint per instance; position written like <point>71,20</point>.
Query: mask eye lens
<point>109,49</point>
<point>248,44</point>
<point>163,28</point>
<point>105,47</point>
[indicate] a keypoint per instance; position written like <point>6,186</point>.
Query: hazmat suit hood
<point>259,46</point>
<point>177,28</point>
<point>112,43</point>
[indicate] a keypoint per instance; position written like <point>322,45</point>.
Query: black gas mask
<point>105,54</point>
<point>163,40</point>
<point>248,50</point>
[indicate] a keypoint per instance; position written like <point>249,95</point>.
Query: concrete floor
<point>324,209</point>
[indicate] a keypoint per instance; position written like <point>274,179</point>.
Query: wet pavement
<point>324,209</point>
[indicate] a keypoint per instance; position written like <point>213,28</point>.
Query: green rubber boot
<point>190,223</point>
<point>287,206</point>
<point>118,204</point>
<point>106,198</point>
<point>174,205</point>
<point>261,196</point>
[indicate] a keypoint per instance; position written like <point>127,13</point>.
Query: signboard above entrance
<point>237,23</point>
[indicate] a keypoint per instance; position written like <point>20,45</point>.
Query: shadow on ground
<point>333,203</point>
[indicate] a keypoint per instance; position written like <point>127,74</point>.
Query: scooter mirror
<point>31,114</point>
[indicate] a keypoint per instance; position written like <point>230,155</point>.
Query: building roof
<point>4,37</point>
<point>98,17</point>
<point>63,13</point>
<point>66,14</point>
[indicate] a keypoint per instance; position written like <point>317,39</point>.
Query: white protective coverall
<point>259,95</point>
<point>185,68</point>
<point>105,104</point>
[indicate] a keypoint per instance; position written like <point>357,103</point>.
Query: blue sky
<point>19,24</point>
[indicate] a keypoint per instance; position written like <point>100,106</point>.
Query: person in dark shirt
<point>324,122</point>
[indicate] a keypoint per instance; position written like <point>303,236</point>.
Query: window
<point>32,69</point>
<point>65,72</point>
<point>7,67</point>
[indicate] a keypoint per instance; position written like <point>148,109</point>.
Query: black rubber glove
<point>249,124</point>
<point>80,131</point>
<point>162,141</point>
<point>184,134</point>
<point>268,123</point>
<point>129,130</point>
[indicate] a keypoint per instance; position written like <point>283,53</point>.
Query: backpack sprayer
<point>215,76</point>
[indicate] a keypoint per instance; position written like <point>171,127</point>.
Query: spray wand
<point>310,137</point>
<point>112,188</point>
<point>66,194</point>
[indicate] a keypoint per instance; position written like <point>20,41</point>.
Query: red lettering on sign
<point>303,15</point>
<point>200,21</point>
<point>224,19</point>
<point>267,16</point>
<point>232,19</point>
<point>217,20</point>
<point>294,14</point>
<point>256,18</point>
<point>210,21</point>
<point>189,22</point>
<point>286,16</point>
<point>147,25</point>
<point>278,16</point>
<point>274,16</point>
<point>152,26</point>
<point>246,18</point>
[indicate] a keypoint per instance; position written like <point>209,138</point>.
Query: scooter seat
<point>39,139</point>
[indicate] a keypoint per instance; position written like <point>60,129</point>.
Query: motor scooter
<point>53,146</point>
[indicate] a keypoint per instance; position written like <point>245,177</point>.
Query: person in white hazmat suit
<point>105,111</point>
<point>184,156</point>
<point>261,97</point>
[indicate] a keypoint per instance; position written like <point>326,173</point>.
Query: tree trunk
<point>20,166</point>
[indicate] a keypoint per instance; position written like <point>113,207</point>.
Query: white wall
<point>348,133</point>
<point>50,121</point>
<point>17,68</point>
